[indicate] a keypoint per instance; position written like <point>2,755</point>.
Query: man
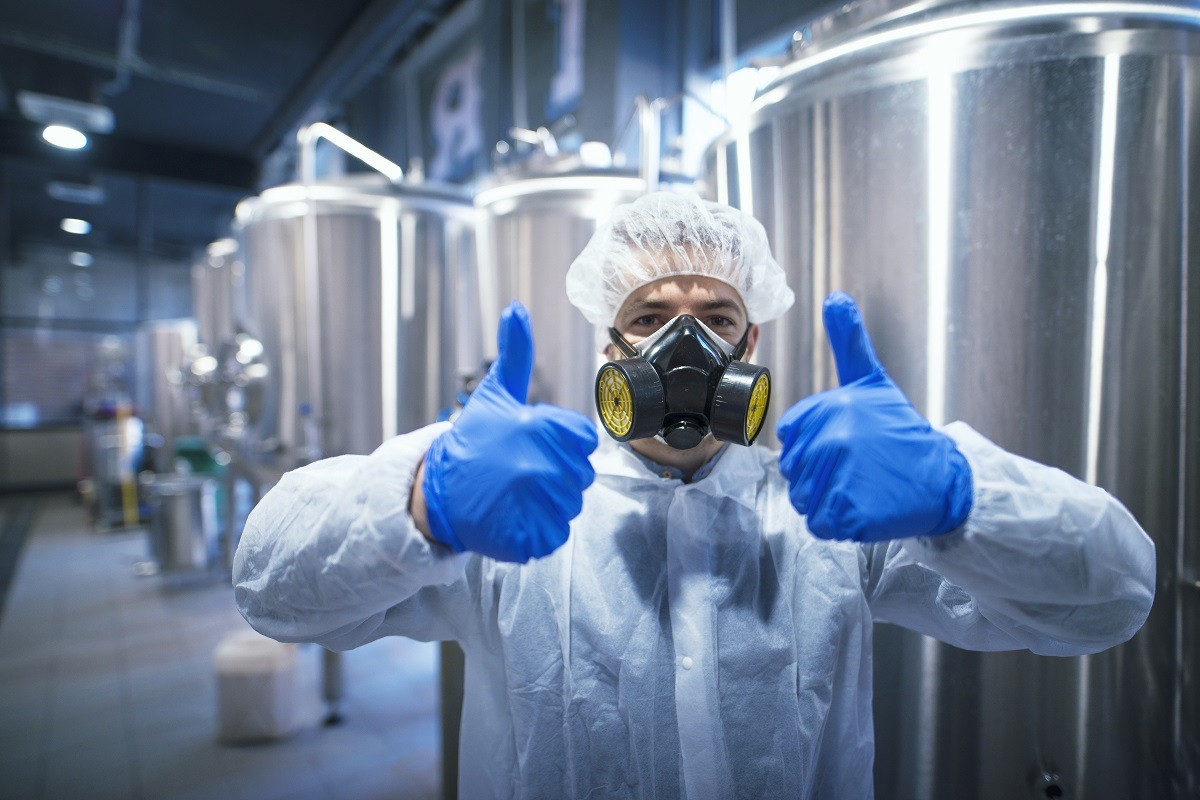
<point>661,621</point>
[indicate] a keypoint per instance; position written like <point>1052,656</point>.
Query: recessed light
<point>72,225</point>
<point>81,259</point>
<point>87,193</point>
<point>51,110</point>
<point>65,137</point>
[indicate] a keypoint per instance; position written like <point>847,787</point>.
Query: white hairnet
<point>669,233</point>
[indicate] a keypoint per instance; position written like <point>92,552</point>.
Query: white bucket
<point>256,688</point>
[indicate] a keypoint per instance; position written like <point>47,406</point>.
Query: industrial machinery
<point>538,214</point>
<point>114,440</point>
<point>179,483</point>
<point>363,294</point>
<point>1010,191</point>
<point>223,371</point>
<point>162,350</point>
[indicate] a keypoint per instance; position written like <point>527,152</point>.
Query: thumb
<point>514,339</point>
<point>848,338</point>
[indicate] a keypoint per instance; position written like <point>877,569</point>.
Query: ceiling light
<point>68,192</point>
<point>51,110</point>
<point>81,259</point>
<point>65,137</point>
<point>72,225</point>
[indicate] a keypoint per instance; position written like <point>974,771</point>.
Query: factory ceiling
<point>181,101</point>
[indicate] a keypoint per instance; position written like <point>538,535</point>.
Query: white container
<point>256,688</point>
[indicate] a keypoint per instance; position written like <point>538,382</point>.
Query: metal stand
<point>331,686</point>
<point>452,671</point>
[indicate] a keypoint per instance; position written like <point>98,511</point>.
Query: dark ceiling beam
<point>383,28</point>
<point>107,61</point>
<point>19,139</point>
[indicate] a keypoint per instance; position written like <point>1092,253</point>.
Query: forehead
<point>682,290</point>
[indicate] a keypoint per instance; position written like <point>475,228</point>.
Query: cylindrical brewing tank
<point>218,306</point>
<point>1011,192</point>
<point>217,294</point>
<point>532,227</point>
<point>363,295</point>
<point>162,350</point>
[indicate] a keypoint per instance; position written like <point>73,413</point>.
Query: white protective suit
<point>688,639</point>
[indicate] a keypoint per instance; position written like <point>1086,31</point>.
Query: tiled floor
<point>108,689</point>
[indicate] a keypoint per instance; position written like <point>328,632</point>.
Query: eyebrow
<point>719,304</point>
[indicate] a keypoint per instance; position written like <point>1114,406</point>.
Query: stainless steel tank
<point>162,351</point>
<point>1011,192</point>
<point>217,292</point>
<point>534,223</point>
<point>363,296</point>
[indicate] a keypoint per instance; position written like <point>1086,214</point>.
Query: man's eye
<point>648,319</point>
<point>720,322</point>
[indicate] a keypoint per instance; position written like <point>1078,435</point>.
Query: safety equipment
<point>862,463</point>
<point>681,382</point>
<point>689,639</point>
<point>505,461</point>
<point>666,234</point>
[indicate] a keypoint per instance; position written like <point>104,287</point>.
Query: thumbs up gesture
<point>508,478</point>
<point>861,462</point>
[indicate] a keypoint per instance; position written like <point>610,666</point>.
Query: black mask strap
<point>622,343</point>
<point>739,349</point>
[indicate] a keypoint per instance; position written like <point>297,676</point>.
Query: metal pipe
<point>650,161</point>
<point>309,136</point>
<point>728,23</point>
<point>541,137</point>
<point>102,60</point>
<point>520,97</point>
<point>131,28</point>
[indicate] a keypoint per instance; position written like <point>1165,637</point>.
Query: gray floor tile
<point>22,775</point>
<point>108,689</point>
<point>99,768</point>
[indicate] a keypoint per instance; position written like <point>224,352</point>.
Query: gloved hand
<point>862,463</point>
<point>508,478</point>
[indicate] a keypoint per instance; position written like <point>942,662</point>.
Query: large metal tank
<point>535,221</point>
<point>162,351</point>
<point>217,294</point>
<point>363,296</point>
<point>1011,192</point>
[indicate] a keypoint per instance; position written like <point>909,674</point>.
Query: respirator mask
<point>680,383</point>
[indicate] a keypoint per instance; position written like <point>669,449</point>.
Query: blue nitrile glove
<point>862,463</point>
<point>508,478</point>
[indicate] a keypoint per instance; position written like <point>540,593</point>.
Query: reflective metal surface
<point>364,298</point>
<point>533,227</point>
<point>184,526</point>
<point>217,296</point>
<point>162,351</point>
<point>1011,192</point>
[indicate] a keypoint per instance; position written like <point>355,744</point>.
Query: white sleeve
<point>332,555</point>
<point>1043,561</point>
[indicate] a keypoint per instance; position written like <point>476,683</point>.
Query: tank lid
<point>858,18</point>
<point>358,190</point>
<point>535,181</point>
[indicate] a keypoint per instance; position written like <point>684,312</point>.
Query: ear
<point>751,341</point>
